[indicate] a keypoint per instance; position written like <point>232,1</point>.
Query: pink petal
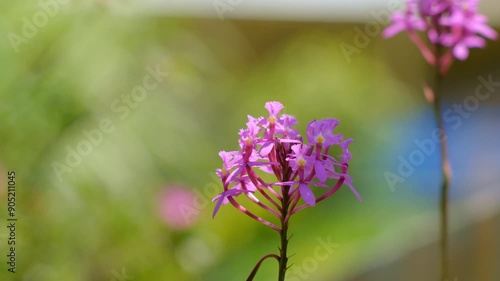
<point>274,107</point>
<point>288,141</point>
<point>307,195</point>
<point>320,170</point>
<point>224,195</point>
<point>419,25</point>
<point>393,30</point>
<point>474,42</point>
<point>266,148</point>
<point>349,184</point>
<point>433,36</point>
<point>235,173</point>
<point>267,169</point>
<point>220,198</point>
<point>460,51</point>
<point>485,30</point>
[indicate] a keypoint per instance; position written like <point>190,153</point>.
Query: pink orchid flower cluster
<point>453,24</point>
<point>270,145</point>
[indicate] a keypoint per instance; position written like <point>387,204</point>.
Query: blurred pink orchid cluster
<point>453,24</point>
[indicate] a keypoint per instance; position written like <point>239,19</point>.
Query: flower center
<point>301,162</point>
<point>320,139</point>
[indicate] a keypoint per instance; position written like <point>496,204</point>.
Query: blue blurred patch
<point>474,151</point>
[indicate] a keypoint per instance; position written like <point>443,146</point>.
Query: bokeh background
<point>110,213</point>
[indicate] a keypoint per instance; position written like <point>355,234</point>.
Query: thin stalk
<point>252,215</point>
<point>286,200</point>
<point>445,166</point>
<point>285,203</point>
<point>253,177</point>
<point>257,266</point>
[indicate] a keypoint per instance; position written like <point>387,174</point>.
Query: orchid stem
<point>445,165</point>
<point>285,203</point>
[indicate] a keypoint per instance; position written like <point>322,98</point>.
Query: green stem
<point>285,203</point>
<point>445,166</point>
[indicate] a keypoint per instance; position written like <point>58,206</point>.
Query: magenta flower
<point>300,160</point>
<point>431,7</point>
<point>320,132</point>
<point>285,127</point>
<point>452,24</point>
<point>223,198</point>
<point>408,21</point>
<point>274,109</point>
<point>464,26</point>
<point>229,160</point>
<point>272,145</point>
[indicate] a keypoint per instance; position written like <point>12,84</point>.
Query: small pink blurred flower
<point>177,207</point>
